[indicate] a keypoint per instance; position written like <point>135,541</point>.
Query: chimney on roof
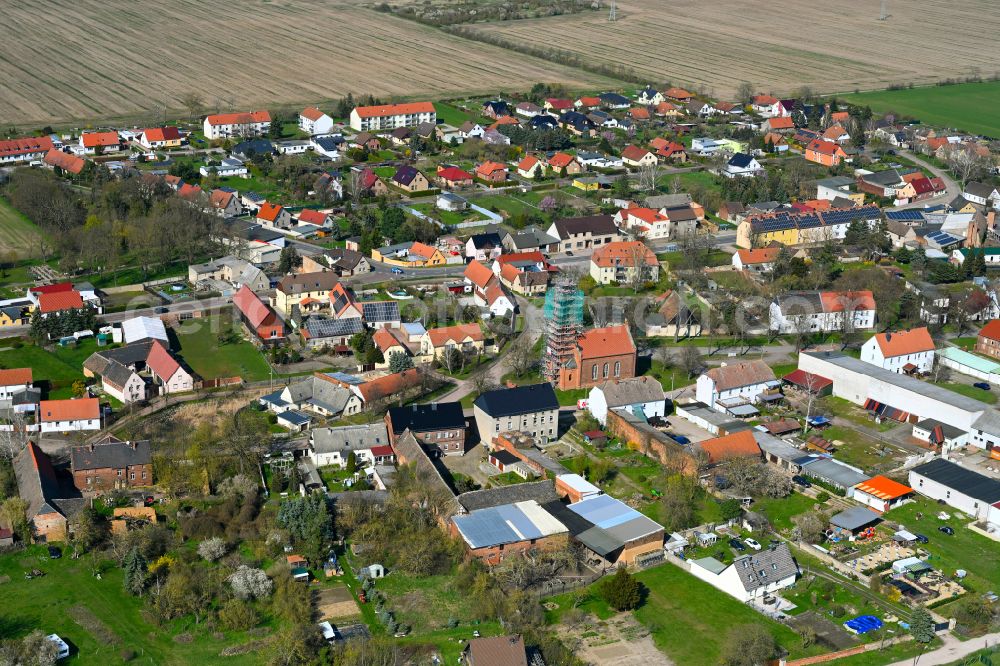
<point>888,336</point>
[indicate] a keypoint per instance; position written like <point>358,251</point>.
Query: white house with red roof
<point>530,167</point>
<point>822,311</point>
<point>274,216</point>
<point>160,137</point>
<point>901,351</point>
<point>391,116</point>
<point>242,125</point>
<point>52,298</point>
<point>649,222</point>
<point>14,381</point>
<point>170,374</point>
<point>26,149</point>
<point>312,121</point>
<point>758,261</point>
<point>316,217</point>
<point>69,415</point>
<point>634,156</point>
<point>107,142</point>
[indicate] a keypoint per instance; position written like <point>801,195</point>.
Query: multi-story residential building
<point>623,262</point>
<point>815,311</point>
<point>312,121</point>
<point>240,125</point>
<point>988,341</point>
<point>580,233</point>
<point>439,426</point>
<point>293,289</point>
<point>533,409</point>
<point>745,382</point>
<point>112,463</point>
<point>391,116</point>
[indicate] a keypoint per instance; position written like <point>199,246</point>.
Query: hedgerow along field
<point>18,234</point>
<point>776,45</point>
<point>95,59</point>
<point>962,106</point>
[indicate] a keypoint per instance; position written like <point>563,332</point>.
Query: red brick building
<point>988,341</point>
<point>112,463</point>
<point>600,354</point>
<point>258,316</point>
<point>438,426</point>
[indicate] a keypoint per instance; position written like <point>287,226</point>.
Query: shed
<point>707,538</point>
<point>910,565</point>
<point>300,574</point>
<point>855,519</point>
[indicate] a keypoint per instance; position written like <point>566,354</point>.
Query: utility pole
<point>884,13</point>
<point>613,14</point>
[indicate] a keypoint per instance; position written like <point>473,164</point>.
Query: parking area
<point>679,426</point>
<point>978,461</point>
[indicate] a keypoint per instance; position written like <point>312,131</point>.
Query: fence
<point>860,649</point>
<point>219,382</point>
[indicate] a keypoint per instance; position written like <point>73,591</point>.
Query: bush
<point>127,655</point>
<point>238,615</point>
<point>822,496</point>
<point>621,591</point>
<point>212,549</point>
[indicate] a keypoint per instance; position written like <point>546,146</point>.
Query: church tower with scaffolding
<point>563,325</point>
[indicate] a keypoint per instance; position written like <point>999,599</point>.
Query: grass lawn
<point>781,511</point>
<point>17,232</point>
<point>967,344</point>
<point>851,412</point>
<point>862,451</point>
<point>965,550</point>
<point>200,347</point>
<point>957,106</point>
<point>50,603</point>
<point>670,377</point>
<point>59,367</point>
<point>451,114</point>
<point>676,259</point>
<point>970,391</point>
<point>688,617</point>
<point>504,204</point>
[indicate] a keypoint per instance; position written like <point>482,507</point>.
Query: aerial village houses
<point>26,149</point>
<point>579,233</point>
<point>826,311</point>
<point>391,116</point>
<point>731,387</point>
<point>112,463</point>
<point>69,415</point>
<point>239,125</point>
<point>624,262</point>
<point>38,486</point>
<point>988,339</point>
<point>533,409</point>
<point>439,426</point>
<point>160,137</point>
<point>294,289</point>
<point>312,121</point>
<point>600,354</point>
<point>258,316</point>
<point>96,142</point>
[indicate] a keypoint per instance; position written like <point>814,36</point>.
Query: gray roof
<point>668,200</point>
<point>631,391</point>
<point>116,374</point>
<point>779,448</point>
<point>540,491</point>
<point>854,518</point>
<point>887,177</point>
<point>321,393</point>
<point>978,189</point>
<point>112,453</point>
<point>530,238</point>
<point>129,355</point>
<point>765,567</point>
<point>615,524</point>
<point>507,523</point>
<point>962,480</point>
<point>831,471</point>
<point>906,382</point>
<point>349,438</point>
<point>836,182</point>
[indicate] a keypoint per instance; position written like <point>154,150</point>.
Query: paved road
<point>951,191</point>
<point>952,650</point>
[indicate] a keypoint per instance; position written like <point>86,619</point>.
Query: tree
<point>89,529</point>
<point>35,649</point>
<point>744,93</point>
<point>967,165</point>
<point>731,509</point>
<point>352,463</point>
<point>14,512</point>
<point>79,388</point>
<point>250,583</point>
<point>400,361</point>
<point>238,615</point>
<point>309,523</point>
<point>809,527</point>
<point>748,645</point>
<point>922,625</point>
<point>212,549</point>
<point>678,505</point>
<point>135,570</point>
<point>288,260</point>
<point>193,102</point>
<point>689,360</point>
<point>621,591</point>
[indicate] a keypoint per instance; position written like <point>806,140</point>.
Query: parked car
<point>737,544</point>
<point>681,439</point>
<point>753,543</point>
<point>801,481</point>
<point>947,530</point>
<point>921,538</point>
<point>161,310</point>
<point>54,553</point>
<point>982,385</point>
<point>397,270</point>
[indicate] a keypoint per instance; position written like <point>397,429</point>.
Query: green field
<point>199,346</point>
<point>964,106</point>
<point>69,590</point>
<point>17,232</point>
<point>55,370</point>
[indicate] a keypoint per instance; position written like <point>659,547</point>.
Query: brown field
<point>778,45</point>
<point>64,60</point>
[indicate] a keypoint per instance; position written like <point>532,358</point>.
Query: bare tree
<point>193,102</point>
<point>647,176</point>
<point>520,359</point>
<point>744,93</point>
<point>812,384</point>
<point>689,360</point>
<point>968,165</point>
<point>14,440</point>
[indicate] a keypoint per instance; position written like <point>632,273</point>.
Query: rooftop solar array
<point>907,215</point>
<point>380,311</point>
<point>324,328</point>
<point>346,378</point>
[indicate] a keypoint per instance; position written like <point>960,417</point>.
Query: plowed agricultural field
<point>778,45</point>
<point>73,59</point>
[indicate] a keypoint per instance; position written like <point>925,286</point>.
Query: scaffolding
<point>563,325</point>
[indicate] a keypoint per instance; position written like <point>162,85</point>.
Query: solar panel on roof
<point>381,311</point>
<point>910,214</point>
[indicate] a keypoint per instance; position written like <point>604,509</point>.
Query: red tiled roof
<point>561,160</point>
<point>535,256</point>
<point>389,385</point>
<point>311,113</point>
<point>807,380</point>
<point>52,288</point>
<point>838,301</point>
<point>457,334</point>
<point>28,144</point>
<point>764,100</point>
<point>478,274</point>
<point>783,122</point>
<point>310,216</point>
<point>386,338</point>
<point>608,341</point>
<point>764,255</point>
<point>69,410</point>
<point>634,153</point>
<point>422,250</point>
<point>623,253</point>
<point>991,331</point>
<point>900,343</point>
<point>823,147</point>
<point>161,362</point>
<point>188,191</point>
<point>737,445</point>
<point>65,161</point>
<point>384,450</point>
<point>639,112</point>
<point>239,118</point>
<point>15,376</point>
<point>168,133</point>
<point>250,305</point>
<point>453,174</point>
<point>95,139</point>
<point>676,93</point>
<point>269,211</point>
<point>527,163</point>
<point>590,101</point>
<point>394,109</point>
<point>221,198</point>
<point>487,168</point>
<point>557,103</point>
<point>60,300</point>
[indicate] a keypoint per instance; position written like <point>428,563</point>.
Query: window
<point>593,372</point>
<point>618,368</point>
<point>605,370</point>
<point>120,472</point>
<point>131,476</point>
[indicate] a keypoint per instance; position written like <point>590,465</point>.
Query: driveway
<point>952,650</point>
<point>951,190</point>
